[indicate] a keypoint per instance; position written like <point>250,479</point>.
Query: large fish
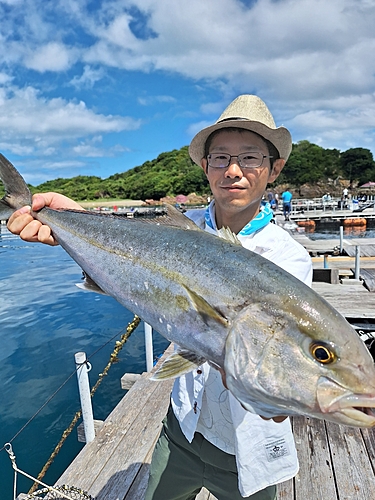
<point>283,348</point>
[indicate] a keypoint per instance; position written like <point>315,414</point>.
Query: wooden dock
<point>336,462</point>
<point>115,465</point>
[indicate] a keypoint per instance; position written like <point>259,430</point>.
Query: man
<point>287,203</point>
<point>208,439</point>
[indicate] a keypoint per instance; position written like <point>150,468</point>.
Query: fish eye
<point>322,353</point>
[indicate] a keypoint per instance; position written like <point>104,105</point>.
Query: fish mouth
<point>344,405</point>
<point>358,408</point>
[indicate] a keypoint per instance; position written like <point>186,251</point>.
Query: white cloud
<point>88,78</point>
<point>196,39</point>
<point>196,127</point>
<point>5,79</point>
<point>89,150</point>
<point>150,99</point>
<point>50,57</point>
<point>38,123</point>
<point>311,60</point>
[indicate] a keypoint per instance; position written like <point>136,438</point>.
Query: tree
<point>309,163</point>
<point>357,164</point>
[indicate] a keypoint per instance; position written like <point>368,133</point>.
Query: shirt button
<point>199,372</point>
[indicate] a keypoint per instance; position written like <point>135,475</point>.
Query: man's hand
<point>29,229</point>
<point>278,419</point>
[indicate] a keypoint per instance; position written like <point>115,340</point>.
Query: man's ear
<point>277,167</point>
<point>204,165</point>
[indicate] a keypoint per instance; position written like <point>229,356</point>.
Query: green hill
<point>174,173</point>
<point>169,174</point>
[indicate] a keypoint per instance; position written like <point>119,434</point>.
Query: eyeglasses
<point>245,160</point>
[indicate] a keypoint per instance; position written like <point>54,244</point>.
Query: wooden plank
<point>285,490</point>
<point>205,495</point>
<point>118,474</point>
<point>368,276</point>
<point>369,440</point>
<point>122,444</point>
<point>353,471</point>
<point>129,379</point>
<point>326,276</point>
<point>352,301</point>
<point>366,249</point>
<point>81,436</point>
<point>315,479</point>
<point>138,488</point>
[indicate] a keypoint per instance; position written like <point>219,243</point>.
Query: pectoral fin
<point>205,310</point>
<point>178,364</point>
<point>89,285</point>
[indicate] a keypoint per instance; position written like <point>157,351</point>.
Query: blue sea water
<point>44,320</point>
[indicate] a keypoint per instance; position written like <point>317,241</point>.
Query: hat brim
<point>280,137</point>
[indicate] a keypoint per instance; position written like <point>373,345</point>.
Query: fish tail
<point>17,194</point>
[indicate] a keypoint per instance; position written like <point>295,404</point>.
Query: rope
<point>113,357</point>
<point>12,457</point>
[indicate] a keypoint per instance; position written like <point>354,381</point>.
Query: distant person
<point>345,197</point>
<point>277,200</point>
<point>287,203</point>
<point>326,198</point>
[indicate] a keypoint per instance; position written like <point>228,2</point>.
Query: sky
<point>99,87</point>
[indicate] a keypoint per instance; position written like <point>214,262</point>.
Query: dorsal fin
<point>229,235</point>
<point>172,217</point>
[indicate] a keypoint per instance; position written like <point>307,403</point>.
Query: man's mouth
<point>233,187</point>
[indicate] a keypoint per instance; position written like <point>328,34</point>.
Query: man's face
<point>236,189</point>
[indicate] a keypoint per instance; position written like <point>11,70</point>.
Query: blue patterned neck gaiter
<point>262,219</point>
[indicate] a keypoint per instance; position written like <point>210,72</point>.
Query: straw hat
<point>248,112</point>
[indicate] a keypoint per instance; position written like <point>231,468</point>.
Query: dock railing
<point>335,204</point>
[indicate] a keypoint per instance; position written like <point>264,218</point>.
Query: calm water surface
<point>44,320</point>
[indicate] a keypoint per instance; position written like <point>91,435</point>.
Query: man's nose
<point>234,170</point>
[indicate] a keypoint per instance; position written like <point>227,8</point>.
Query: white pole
<point>84,393</point>
<point>357,261</point>
<point>341,239</point>
<point>149,347</point>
